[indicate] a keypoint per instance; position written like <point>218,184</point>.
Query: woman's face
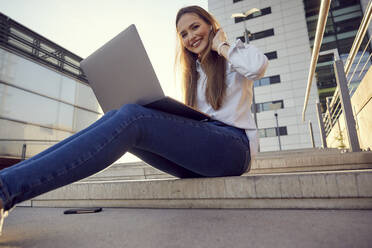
<point>194,32</point>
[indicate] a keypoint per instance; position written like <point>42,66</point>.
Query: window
<point>271,55</point>
<point>265,106</point>
<point>262,12</point>
<point>258,35</point>
<point>267,81</point>
<point>272,132</point>
<point>282,131</point>
<point>275,79</point>
<point>263,34</point>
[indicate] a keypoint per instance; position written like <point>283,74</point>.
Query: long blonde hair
<point>213,65</point>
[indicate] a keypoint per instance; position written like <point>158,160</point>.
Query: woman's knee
<point>132,110</point>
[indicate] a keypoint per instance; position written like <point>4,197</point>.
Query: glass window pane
<point>262,34</point>
<point>261,133</point>
<point>346,10</point>
<point>24,106</point>
<point>266,106</point>
<point>85,97</point>
<point>271,55</point>
<point>258,108</point>
<point>65,116</point>
<point>264,81</point>
<point>20,45</point>
<point>270,132</point>
<point>68,89</point>
<point>84,118</point>
<point>275,79</point>
<point>283,130</point>
<point>11,130</point>
<point>348,16</point>
<point>31,76</point>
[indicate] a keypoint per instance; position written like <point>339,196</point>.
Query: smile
<point>196,44</point>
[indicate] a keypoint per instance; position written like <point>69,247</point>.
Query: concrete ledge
<point>308,168</point>
<point>315,160</point>
<point>303,160</point>
<point>341,189</point>
<point>315,203</point>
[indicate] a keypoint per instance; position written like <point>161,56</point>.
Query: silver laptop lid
<point>120,72</point>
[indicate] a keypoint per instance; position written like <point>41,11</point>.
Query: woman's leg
<point>163,164</point>
<point>202,148</point>
<point>65,141</point>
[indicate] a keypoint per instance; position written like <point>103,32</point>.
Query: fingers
<point>218,39</point>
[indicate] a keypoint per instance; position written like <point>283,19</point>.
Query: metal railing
<point>323,14</point>
<point>24,144</point>
<point>340,101</point>
<point>21,40</point>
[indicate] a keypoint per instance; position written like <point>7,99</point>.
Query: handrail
<point>357,42</point>
<point>359,37</point>
<point>323,14</point>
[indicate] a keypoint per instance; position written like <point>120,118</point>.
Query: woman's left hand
<point>218,39</point>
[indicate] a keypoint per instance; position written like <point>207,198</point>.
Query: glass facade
<point>258,35</point>
<point>272,132</point>
<point>265,106</point>
<point>342,25</point>
<point>267,81</point>
<point>40,106</point>
<point>21,40</point>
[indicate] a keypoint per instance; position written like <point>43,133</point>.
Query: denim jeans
<point>182,147</point>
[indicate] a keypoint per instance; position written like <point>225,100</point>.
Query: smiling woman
<point>197,31</point>
<point>195,36</point>
<point>218,80</point>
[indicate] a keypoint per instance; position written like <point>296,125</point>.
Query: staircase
<point>296,179</point>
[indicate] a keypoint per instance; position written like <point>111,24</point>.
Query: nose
<point>191,37</point>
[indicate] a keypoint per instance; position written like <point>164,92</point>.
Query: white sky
<point>82,26</point>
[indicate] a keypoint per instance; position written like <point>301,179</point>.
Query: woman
<point>217,79</point>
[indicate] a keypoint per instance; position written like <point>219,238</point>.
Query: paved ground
<point>163,228</point>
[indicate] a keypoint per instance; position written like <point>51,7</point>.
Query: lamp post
<point>247,35</point>
<point>275,107</point>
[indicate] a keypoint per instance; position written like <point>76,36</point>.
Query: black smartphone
<point>82,210</point>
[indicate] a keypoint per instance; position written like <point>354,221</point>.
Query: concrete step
<point>307,190</point>
<point>304,160</point>
<point>299,151</point>
<point>312,161</point>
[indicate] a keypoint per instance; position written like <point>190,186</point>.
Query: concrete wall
<point>362,106</point>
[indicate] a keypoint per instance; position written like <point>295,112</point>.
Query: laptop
<point>120,72</point>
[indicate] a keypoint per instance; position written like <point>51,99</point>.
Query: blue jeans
<point>182,147</point>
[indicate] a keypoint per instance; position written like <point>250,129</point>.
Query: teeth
<point>196,43</point>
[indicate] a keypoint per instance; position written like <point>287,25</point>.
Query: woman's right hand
<point>219,38</point>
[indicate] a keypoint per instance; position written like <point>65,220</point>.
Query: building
<point>280,31</point>
<point>342,25</point>
<point>44,96</point>
<point>284,30</point>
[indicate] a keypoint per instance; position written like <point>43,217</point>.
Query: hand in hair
<point>218,39</point>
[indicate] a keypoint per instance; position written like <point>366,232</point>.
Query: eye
<point>195,26</point>
<point>183,35</point>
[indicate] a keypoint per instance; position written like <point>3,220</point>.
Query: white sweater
<point>245,64</point>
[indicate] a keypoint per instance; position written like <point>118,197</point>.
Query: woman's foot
<point>3,215</point>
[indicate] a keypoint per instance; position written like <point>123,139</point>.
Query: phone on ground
<point>82,210</point>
